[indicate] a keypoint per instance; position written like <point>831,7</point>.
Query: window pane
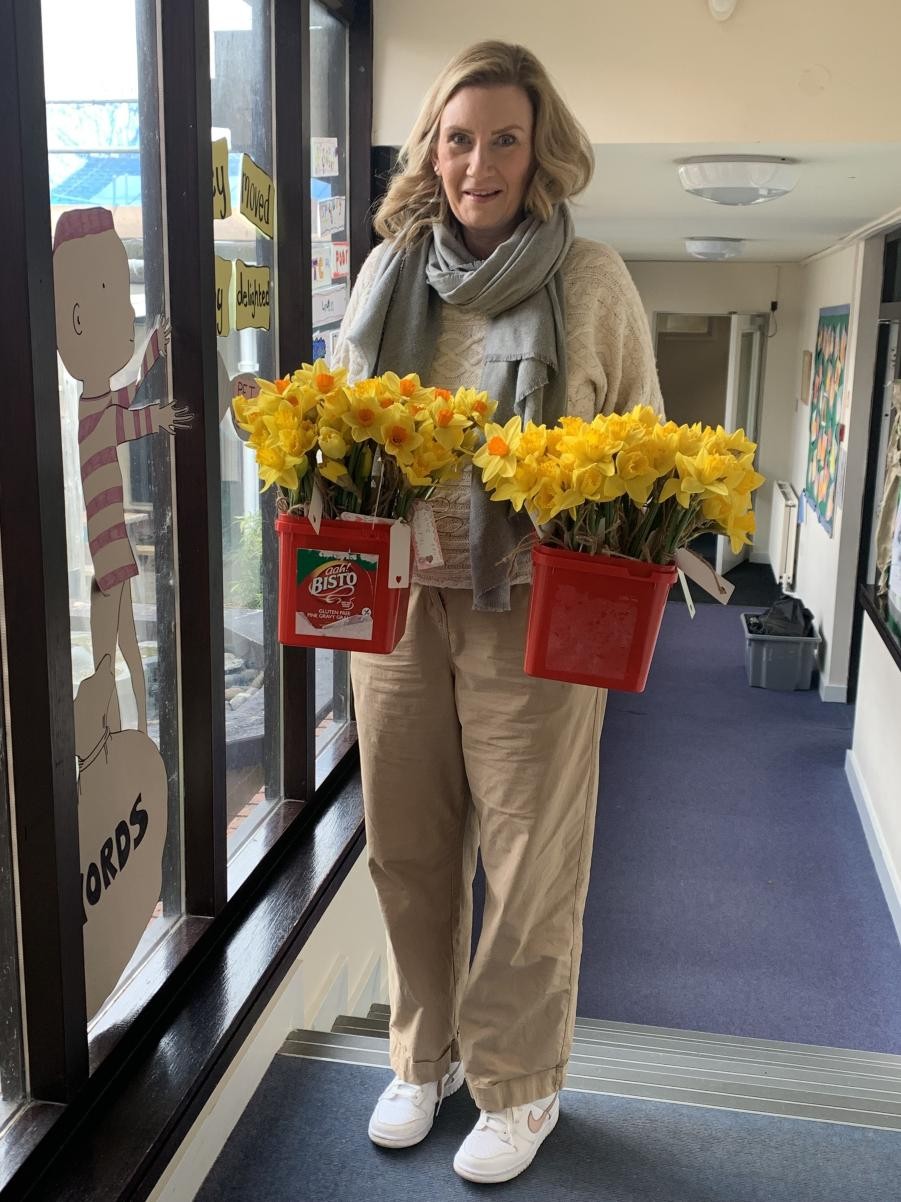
<point>241,91</point>
<point>330,259</point>
<point>10,1015</point>
<point>104,163</point>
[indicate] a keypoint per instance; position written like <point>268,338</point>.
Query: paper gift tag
<point>426,543</point>
<point>315,508</point>
<point>399,556</point>
<point>689,600</point>
<point>705,575</point>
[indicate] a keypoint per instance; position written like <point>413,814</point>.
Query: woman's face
<point>484,158</point>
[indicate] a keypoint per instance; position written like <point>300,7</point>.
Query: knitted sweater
<point>609,360</point>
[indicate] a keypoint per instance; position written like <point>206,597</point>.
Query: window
<point>10,1019</point>
<point>139,570</point>
<point>101,83</point>
<point>330,278</point>
<point>241,97</point>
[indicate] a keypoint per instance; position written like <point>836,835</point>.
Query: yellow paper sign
<point>222,199</point>
<point>223,292</point>
<point>257,195</point>
<point>252,296</point>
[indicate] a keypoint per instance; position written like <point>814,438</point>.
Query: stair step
<point>591,1034</point>
<point>699,1068</point>
<point>787,1070</point>
<point>354,1022</point>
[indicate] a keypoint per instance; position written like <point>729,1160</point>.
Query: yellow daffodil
<point>519,488</point>
<point>638,471</point>
<point>276,467</point>
<point>533,441</point>
<point>698,474</point>
<point>335,470</point>
<point>405,388</point>
<point>400,436</point>
<point>497,458</point>
<point>472,404</point>
<point>445,424</point>
<point>364,417</point>
<point>331,443</point>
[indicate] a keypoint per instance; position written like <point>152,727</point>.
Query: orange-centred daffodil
<point>497,458</point>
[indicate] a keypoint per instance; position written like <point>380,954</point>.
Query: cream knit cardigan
<point>610,367</point>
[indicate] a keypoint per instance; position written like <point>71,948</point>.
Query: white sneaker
<point>404,1113</point>
<point>504,1142</point>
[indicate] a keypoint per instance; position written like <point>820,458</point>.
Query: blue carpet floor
<point>289,1146</point>
<point>732,889</point>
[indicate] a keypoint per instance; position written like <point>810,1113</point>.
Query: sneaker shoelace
<point>498,1122</point>
<point>404,1089</point>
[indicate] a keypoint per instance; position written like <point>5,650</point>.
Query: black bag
<point>787,617</point>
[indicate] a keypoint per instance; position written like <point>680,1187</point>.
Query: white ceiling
<point>636,203</point>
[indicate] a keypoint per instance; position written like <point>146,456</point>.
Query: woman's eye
<point>458,139</point>
<point>507,140</point>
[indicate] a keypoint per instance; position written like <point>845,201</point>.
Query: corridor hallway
<point>737,947</point>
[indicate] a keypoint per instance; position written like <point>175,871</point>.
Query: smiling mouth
<point>482,194</point>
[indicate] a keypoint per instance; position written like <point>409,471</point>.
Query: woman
<point>481,283</point>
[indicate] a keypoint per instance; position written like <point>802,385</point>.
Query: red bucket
<point>594,619</point>
<point>333,587</point>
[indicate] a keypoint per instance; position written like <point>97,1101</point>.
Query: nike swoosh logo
<point>535,1125</point>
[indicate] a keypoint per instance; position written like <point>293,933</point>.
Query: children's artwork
<point>253,287</point>
<point>328,215</point>
<point>222,197</point>
<point>894,574</point>
<point>320,346</point>
<point>340,260</point>
<point>323,157</point>
<point>122,819</point>
<point>888,522</point>
<point>122,779</point>
<point>223,295</point>
<point>826,402</point>
<point>242,385</point>
<point>257,196</point>
<point>95,333</point>
<point>806,370</point>
<point>322,264</point>
<point>329,304</point>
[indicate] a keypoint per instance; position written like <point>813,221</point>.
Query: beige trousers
<point>459,750</point>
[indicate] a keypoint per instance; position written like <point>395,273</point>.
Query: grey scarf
<point>519,288</point>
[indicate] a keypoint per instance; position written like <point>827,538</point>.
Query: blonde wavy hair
<point>563,158</point>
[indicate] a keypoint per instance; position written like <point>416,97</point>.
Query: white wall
<point>720,288</point>
<point>341,969</point>
<point>664,70</point>
<point>874,762</point>
<point>827,566</point>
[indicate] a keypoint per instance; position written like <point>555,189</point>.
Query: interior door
<point>747,346</point>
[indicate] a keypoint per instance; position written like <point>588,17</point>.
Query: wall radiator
<point>784,533</point>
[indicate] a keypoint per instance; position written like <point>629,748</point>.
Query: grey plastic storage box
<point>780,662</point>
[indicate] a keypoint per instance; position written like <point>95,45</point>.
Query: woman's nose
<point>480,158</point>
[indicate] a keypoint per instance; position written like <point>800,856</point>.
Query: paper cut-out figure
<point>122,818</point>
<point>95,332</point>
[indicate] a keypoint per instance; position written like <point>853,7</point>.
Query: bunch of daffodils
<point>624,483</point>
<point>373,447</point>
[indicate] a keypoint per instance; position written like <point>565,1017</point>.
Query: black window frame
<point>866,601</point>
<point>65,1075</point>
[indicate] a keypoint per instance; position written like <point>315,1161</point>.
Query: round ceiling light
<point>714,248</point>
<point>722,10</point>
<point>741,179</point>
